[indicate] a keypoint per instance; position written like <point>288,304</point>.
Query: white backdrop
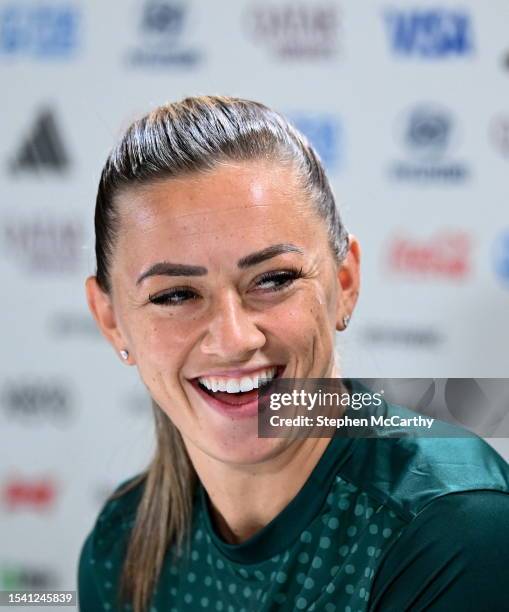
<point>408,104</point>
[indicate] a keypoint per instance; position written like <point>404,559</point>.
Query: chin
<point>243,450</point>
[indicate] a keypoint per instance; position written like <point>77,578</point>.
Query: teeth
<point>234,385</point>
<point>246,384</point>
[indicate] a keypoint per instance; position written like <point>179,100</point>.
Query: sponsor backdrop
<point>408,106</point>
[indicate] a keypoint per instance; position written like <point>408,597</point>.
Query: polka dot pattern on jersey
<point>329,566</point>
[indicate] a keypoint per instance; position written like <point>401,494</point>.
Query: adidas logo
<point>43,148</point>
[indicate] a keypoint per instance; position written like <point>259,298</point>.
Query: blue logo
<point>39,31</point>
<point>501,256</point>
<point>427,133</point>
<point>430,33</point>
<point>163,18</point>
<point>325,134</point>
<point>162,26</point>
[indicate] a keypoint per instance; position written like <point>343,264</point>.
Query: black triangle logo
<point>43,149</point>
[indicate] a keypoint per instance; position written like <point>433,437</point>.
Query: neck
<point>246,498</point>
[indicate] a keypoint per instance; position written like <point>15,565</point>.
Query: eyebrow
<point>267,253</point>
<point>166,268</point>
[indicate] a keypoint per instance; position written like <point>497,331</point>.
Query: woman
<point>222,262</point>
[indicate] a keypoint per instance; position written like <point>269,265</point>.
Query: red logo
<point>39,494</point>
<point>446,255</point>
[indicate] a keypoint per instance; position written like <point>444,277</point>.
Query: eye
<point>174,297</point>
<point>278,279</point>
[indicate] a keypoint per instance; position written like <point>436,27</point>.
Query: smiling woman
<point>222,263</point>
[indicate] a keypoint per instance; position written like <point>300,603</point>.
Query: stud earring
<point>124,354</point>
<point>346,320</point>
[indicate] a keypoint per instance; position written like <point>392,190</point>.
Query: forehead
<point>232,204</point>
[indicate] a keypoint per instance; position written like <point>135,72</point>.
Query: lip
<point>248,409</point>
<point>237,372</point>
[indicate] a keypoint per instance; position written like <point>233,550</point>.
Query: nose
<point>232,334</point>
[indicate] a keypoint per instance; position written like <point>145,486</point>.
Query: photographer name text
<point>346,421</point>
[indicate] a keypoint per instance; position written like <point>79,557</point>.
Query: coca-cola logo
<point>33,494</point>
<point>444,255</point>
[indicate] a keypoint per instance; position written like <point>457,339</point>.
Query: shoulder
<point>407,473</point>
<point>118,512</point>
<point>103,550</point>
<point>453,555</point>
<point>474,521</point>
<point>411,472</point>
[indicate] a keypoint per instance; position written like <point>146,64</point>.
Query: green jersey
<point>381,524</point>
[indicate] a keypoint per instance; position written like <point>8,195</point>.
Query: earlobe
<point>102,310</point>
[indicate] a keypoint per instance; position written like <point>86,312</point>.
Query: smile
<point>238,384</point>
<point>236,395</point>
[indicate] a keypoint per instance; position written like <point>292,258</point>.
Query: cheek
<point>310,315</point>
<point>161,351</point>
<point>160,344</point>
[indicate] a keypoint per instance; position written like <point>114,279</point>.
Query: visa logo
<point>430,34</point>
